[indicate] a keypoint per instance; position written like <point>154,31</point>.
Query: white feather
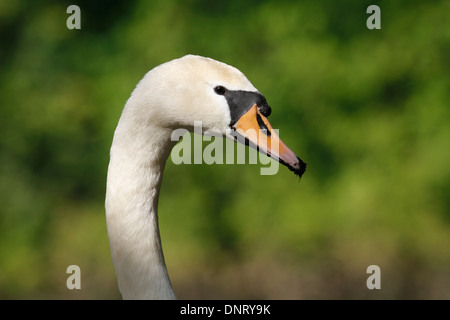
<point>170,96</point>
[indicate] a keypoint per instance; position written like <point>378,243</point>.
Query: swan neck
<point>138,157</point>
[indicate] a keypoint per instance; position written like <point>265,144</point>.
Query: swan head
<point>184,91</point>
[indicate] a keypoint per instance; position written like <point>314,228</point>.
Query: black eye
<point>220,90</point>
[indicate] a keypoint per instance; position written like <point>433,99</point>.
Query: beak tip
<point>299,168</point>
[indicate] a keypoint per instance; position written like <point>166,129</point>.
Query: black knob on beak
<point>263,107</point>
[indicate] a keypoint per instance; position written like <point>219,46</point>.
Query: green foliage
<point>368,110</point>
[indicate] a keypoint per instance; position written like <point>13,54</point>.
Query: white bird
<point>171,96</point>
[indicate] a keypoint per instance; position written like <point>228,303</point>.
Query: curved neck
<point>138,156</point>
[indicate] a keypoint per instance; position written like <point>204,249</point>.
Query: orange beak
<point>256,129</point>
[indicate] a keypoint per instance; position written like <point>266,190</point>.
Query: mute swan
<point>170,96</point>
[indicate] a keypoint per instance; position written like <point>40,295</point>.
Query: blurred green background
<point>368,110</point>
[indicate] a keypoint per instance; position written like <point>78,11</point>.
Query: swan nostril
<point>262,125</point>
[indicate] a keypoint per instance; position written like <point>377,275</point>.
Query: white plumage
<point>170,96</point>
